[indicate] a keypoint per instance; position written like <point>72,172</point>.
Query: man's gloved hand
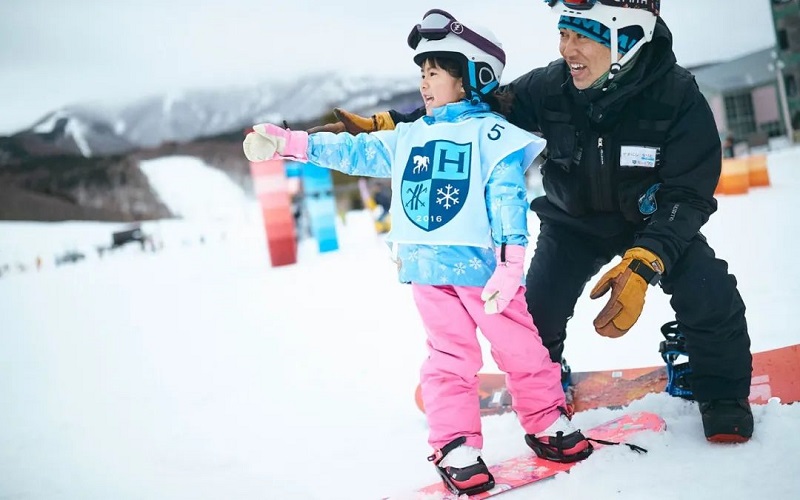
<point>506,280</point>
<point>334,128</point>
<point>356,124</point>
<point>628,282</point>
<point>270,142</point>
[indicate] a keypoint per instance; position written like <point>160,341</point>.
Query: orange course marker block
<point>757,168</point>
<point>735,176</point>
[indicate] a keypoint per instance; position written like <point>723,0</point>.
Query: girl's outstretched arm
<point>362,154</point>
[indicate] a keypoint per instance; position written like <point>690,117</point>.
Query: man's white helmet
<point>478,48</point>
<point>618,16</point>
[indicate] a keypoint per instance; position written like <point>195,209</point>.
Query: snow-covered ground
<point>198,371</point>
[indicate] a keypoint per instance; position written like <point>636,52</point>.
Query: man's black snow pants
<point>709,310</point>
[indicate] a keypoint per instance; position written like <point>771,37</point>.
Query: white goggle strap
<point>615,61</point>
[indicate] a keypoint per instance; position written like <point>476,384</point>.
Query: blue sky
<point>54,53</point>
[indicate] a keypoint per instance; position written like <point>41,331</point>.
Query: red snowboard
<point>776,374</point>
<point>529,468</point>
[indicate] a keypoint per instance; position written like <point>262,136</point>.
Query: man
<point>633,158</point>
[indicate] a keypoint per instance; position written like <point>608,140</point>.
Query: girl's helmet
<point>478,49</point>
<point>623,18</point>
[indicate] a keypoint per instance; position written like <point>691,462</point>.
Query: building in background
<point>756,97</point>
<point>786,16</point>
<point>744,96</point>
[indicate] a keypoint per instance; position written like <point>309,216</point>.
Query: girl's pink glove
<point>270,142</point>
<point>506,280</point>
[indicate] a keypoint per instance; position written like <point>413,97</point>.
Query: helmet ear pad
<point>484,74</point>
<point>479,79</point>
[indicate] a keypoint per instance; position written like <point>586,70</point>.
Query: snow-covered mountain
<point>93,130</point>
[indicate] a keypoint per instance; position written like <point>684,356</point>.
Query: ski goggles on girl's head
<point>651,5</point>
<point>437,24</point>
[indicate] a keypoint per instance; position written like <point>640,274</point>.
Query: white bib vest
<point>439,174</point>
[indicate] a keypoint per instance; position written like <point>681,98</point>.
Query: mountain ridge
<point>82,162</point>
<point>92,130</point>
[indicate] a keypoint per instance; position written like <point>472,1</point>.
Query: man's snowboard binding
<point>568,387</point>
<point>678,375</point>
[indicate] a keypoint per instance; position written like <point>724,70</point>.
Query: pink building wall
<point>765,107</point>
<point>765,104</point>
<point>717,105</point>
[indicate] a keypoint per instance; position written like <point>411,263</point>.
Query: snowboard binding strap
<point>439,454</point>
<point>678,374</point>
<point>636,448</point>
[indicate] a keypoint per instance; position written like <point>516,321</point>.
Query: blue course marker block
<point>320,205</point>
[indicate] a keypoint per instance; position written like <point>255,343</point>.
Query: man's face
<point>588,60</point>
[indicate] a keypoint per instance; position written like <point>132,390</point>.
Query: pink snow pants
<point>449,378</point>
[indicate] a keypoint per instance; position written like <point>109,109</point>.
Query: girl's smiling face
<point>438,87</point>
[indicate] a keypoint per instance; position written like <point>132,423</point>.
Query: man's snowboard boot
<point>462,469</point>
<point>724,420</point>
<point>727,420</point>
<point>561,442</point>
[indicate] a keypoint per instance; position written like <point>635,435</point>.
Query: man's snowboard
<point>529,468</point>
<point>776,374</point>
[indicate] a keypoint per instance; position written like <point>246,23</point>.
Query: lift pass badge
<point>638,156</point>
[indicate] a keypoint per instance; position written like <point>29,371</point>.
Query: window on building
<point>740,116</point>
<point>772,129</point>
<point>790,81</point>
<point>796,120</point>
<point>783,39</point>
<point>790,27</point>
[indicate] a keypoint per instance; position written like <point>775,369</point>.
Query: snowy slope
<point>200,372</point>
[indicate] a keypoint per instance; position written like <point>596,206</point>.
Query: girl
<point>459,232</point>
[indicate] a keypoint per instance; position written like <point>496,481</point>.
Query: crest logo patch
<point>435,183</point>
